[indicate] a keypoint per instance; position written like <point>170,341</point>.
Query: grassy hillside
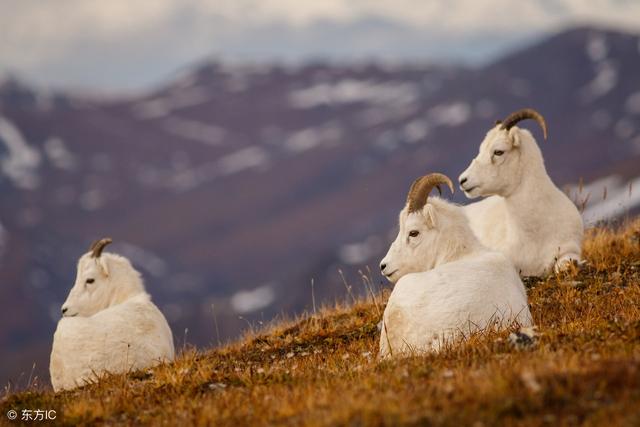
<point>584,367</point>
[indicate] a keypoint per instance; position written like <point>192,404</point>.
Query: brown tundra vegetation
<point>582,368</point>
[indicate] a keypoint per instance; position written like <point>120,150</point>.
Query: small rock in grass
<point>141,376</point>
<point>524,338</point>
<point>575,283</point>
<point>217,386</point>
<point>447,374</point>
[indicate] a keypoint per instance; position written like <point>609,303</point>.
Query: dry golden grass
<point>322,369</point>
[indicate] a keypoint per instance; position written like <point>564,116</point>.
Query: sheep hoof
<point>569,264</point>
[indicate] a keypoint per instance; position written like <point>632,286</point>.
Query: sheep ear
<point>514,136</point>
<point>429,213</point>
<point>104,267</point>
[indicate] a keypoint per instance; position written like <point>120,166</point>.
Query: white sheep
<point>526,216</point>
<point>447,283</point>
<point>109,323</point>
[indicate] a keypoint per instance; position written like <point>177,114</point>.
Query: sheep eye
<point>90,280</point>
<point>498,153</point>
<point>414,233</point>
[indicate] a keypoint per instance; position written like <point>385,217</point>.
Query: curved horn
<point>421,187</point>
<point>525,113</point>
<point>97,246</point>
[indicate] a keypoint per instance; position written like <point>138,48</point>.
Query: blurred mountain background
<point>232,185</point>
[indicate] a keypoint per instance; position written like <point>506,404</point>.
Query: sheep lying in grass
<point>448,284</point>
<point>526,216</point>
<point>109,323</point>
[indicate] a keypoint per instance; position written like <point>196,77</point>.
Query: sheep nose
<point>64,309</point>
<point>383,266</point>
<point>462,181</point>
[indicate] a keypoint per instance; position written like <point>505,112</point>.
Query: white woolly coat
<point>536,226</point>
<point>127,336</point>
<point>537,233</point>
<point>472,293</point>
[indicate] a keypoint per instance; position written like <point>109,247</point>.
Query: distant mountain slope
<point>232,187</point>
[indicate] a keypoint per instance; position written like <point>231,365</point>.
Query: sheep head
<point>497,169</point>
<point>102,280</point>
<point>422,224</point>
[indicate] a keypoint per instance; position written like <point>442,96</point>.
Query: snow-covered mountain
<point>232,187</point>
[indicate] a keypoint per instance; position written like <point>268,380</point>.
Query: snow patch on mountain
<point>452,114</point>
<point>252,157</point>
<point>143,258</point>
<point>416,130</point>
<point>380,114</point>
<point>606,71</point>
<point>246,158</point>
<point>312,137</point>
<point>58,154</point>
<point>349,91</point>
<point>163,106</point>
<point>360,252</point>
<point>194,130</point>
<point>596,47</point>
<point>21,162</point>
<point>609,198</point>
<point>605,80</point>
<point>252,300</point>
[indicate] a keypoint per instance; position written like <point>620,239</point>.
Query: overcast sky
<point>131,44</point>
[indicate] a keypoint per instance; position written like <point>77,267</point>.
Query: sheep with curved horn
<point>524,214</point>
<point>447,284</point>
<point>109,323</point>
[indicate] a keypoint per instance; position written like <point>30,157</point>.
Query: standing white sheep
<point>448,284</point>
<point>526,216</point>
<point>109,323</point>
